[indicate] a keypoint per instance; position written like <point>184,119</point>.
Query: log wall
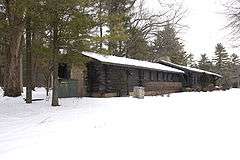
<point>78,73</point>
<point>109,80</point>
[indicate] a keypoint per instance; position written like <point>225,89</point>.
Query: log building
<point>195,78</point>
<point>111,76</point>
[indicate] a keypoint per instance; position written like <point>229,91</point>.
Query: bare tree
<point>232,12</point>
<point>150,23</point>
<point>147,24</point>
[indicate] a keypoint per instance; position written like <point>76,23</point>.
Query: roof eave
<point>138,67</point>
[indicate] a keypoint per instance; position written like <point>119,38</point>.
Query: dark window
<point>141,77</point>
<point>151,75</point>
<point>170,77</point>
<point>194,80</point>
<point>165,77</point>
<point>160,76</point>
<point>146,75</point>
<point>63,71</point>
<point>175,78</point>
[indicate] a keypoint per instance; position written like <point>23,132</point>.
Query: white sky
<point>206,26</point>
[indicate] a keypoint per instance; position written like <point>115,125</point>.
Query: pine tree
<point>222,64</point>
<point>137,47</point>
<point>168,44</point>
<point>221,57</point>
<point>234,68</point>
<point>235,59</point>
<point>204,63</point>
<point>118,23</point>
<point>235,63</point>
<point>190,61</point>
<point>65,26</point>
<point>100,16</point>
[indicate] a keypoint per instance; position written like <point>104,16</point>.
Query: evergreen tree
<point>235,71</point>
<point>60,27</point>
<point>118,23</point>
<point>235,63</point>
<point>235,59</point>
<point>168,44</point>
<point>190,61</point>
<point>221,57</point>
<point>100,16</point>
<point>222,64</point>
<point>137,47</point>
<point>204,63</point>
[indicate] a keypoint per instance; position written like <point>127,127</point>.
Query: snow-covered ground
<point>188,126</point>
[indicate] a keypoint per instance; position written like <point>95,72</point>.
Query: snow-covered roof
<point>130,62</point>
<point>192,69</point>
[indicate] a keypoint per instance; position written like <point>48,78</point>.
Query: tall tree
<point>3,45</point>
<point>233,22</point>
<point>118,19</point>
<point>28,58</point>
<point>204,63</point>
<point>137,46</point>
<point>189,60</point>
<point>235,59</point>
<point>168,44</point>
<point>99,11</point>
<point>143,24</point>
<point>68,25</point>
<point>221,58</point>
<point>234,68</point>
<point>222,62</point>
<point>232,12</point>
<point>15,20</point>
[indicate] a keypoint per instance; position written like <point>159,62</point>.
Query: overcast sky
<point>206,26</point>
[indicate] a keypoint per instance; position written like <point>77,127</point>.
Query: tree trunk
<point>21,72</point>
<point>35,58</point>
<point>55,85</point>
<point>101,24</point>
<point>55,66</point>
<point>12,85</point>
<point>28,61</point>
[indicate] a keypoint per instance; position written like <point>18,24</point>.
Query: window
<point>165,77</point>
<point>141,77</point>
<point>151,75</point>
<point>194,80</point>
<point>63,71</point>
<point>170,77</point>
<point>160,76</point>
<point>175,78</point>
<point>146,75</point>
